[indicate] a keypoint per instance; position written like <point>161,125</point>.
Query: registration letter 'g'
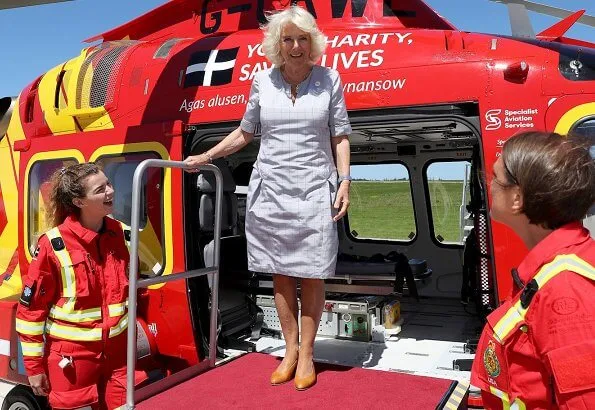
<point>215,16</point>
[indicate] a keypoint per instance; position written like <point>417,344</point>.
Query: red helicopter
<point>175,81</point>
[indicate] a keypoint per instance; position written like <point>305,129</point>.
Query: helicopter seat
<point>237,312</point>
<point>232,253</point>
<point>206,215</point>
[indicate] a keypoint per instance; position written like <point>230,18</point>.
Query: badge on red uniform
<point>27,295</point>
<point>490,360</point>
<point>490,368</point>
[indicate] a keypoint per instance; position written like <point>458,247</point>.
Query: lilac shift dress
<point>289,209</point>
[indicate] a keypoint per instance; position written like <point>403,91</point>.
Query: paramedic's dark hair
<point>67,184</point>
<point>555,173</point>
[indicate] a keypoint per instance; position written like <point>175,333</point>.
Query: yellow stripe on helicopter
<point>573,116</point>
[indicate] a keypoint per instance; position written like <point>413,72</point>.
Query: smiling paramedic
<point>74,297</point>
<point>537,350</point>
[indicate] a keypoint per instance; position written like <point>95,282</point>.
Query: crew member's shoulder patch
<point>490,360</point>
<point>27,295</point>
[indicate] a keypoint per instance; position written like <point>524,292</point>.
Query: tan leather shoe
<point>279,377</point>
<point>305,383</point>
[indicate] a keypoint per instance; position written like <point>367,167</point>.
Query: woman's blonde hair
<point>304,21</point>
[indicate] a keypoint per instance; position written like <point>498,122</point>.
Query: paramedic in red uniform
<point>537,350</point>
<point>72,314</point>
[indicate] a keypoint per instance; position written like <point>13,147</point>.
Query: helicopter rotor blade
<point>11,4</point>
<point>520,24</point>
<point>549,10</point>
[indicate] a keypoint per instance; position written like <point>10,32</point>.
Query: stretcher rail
<point>135,284</point>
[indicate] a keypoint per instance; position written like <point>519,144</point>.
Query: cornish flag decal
<point>211,67</point>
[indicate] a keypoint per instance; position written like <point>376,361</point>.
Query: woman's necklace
<point>294,85</point>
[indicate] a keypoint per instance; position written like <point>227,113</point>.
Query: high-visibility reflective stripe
<point>509,321</point>
<point>499,393</point>
<point>117,309</point>
<point>76,316</point>
<point>29,328</point>
<point>574,264</point>
<point>516,314</point>
<point>517,405</point>
<point>68,306</point>
<point>32,349</point>
<point>88,315</point>
<point>120,327</point>
<point>68,277</point>
<point>73,333</point>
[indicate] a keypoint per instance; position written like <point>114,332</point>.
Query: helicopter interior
<point>405,150</point>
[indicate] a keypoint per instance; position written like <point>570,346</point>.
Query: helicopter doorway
<point>420,140</point>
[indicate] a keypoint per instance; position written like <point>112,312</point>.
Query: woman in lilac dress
<point>295,195</point>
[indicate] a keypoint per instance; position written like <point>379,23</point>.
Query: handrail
<point>134,283</point>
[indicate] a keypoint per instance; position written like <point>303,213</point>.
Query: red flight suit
<point>537,350</point>
<point>76,294</point>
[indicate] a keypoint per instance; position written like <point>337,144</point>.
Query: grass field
<point>385,210</point>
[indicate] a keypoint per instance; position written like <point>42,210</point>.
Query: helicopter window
<point>447,187</point>
<point>39,196</point>
<point>576,64</point>
<point>381,203</point>
<point>120,171</point>
<point>585,127</point>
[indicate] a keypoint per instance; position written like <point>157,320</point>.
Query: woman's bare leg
<point>285,288</point>
<point>312,297</point>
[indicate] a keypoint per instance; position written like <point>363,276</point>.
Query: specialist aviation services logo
<point>493,120</point>
<point>210,67</point>
<point>517,118</point>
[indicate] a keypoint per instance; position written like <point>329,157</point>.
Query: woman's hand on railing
<point>195,161</point>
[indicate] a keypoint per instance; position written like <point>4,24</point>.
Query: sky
<point>36,39</point>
